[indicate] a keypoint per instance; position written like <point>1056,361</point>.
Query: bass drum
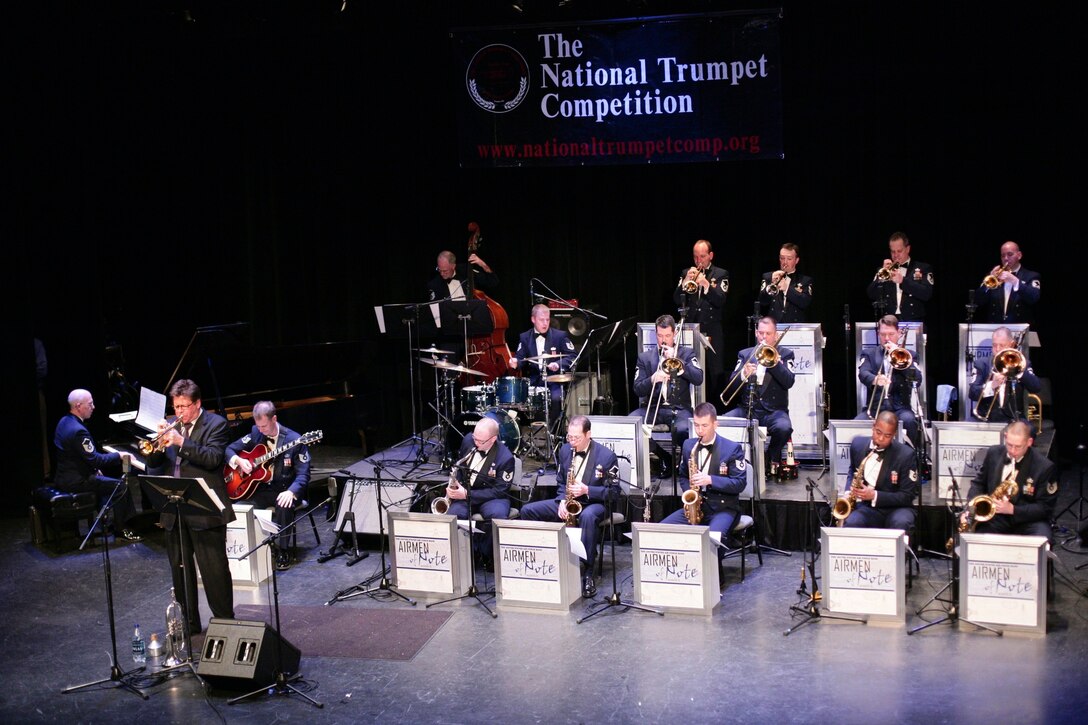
<point>509,431</point>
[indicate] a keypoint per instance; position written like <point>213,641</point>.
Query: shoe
<point>589,588</point>
<point>283,561</point>
<point>130,535</point>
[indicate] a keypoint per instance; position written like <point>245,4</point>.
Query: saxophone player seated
<point>1029,505</point>
<point>715,467</point>
<point>588,474</point>
<point>883,478</point>
<point>483,474</point>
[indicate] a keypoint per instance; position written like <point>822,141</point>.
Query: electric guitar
<point>242,485</point>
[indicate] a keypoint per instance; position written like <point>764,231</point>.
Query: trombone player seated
<point>715,475</point>
<point>997,388</point>
<point>761,382</point>
<point>663,380</point>
<point>889,372</point>
<point>588,476</point>
<point>882,482</point>
<point>1015,490</point>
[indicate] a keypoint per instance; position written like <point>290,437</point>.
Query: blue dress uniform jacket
<point>1014,407</point>
<point>773,393</point>
<point>290,470</point>
<point>728,473</point>
<point>789,307</point>
<point>917,290</point>
<point>1034,501</point>
<point>1022,301</point>
<point>647,364</point>
<point>78,457</point>
<point>893,491</point>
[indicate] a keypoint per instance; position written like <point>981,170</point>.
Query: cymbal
<point>545,356</point>
<point>560,378</point>
<point>434,351</point>
<point>443,365</point>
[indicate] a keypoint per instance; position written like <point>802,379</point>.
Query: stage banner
<point>670,89</point>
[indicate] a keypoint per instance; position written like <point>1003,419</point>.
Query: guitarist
<point>290,472</point>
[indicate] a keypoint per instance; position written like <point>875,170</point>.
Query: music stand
<point>116,674</point>
<point>408,316</point>
<point>349,517</point>
<point>281,684</point>
<point>188,497</point>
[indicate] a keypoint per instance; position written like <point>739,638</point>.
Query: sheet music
<point>380,314</point>
<point>436,314</point>
<point>264,518</point>
<point>152,409</point>
<point>211,494</point>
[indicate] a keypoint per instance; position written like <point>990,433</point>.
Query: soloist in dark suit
<point>488,490</point>
<point>898,397</point>
<point>917,289</point>
<point>676,406</point>
<point>80,465</point>
<point>1022,300</point>
<point>721,499</point>
<point>554,339</point>
<point>600,473</point>
<point>204,535</point>
<point>705,309</point>
<point>789,307</point>
<point>770,400</point>
<point>896,485</point>
<point>1034,501</point>
<point>1014,406</point>
<point>290,472</point>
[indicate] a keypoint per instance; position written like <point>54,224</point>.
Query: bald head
<point>485,433</point>
<point>80,403</point>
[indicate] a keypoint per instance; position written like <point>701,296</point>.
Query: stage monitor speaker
<point>574,322</point>
<point>239,654</point>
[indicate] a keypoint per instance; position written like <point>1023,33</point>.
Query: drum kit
<point>511,401</point>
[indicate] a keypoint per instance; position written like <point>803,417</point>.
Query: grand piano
<point>314,386</point>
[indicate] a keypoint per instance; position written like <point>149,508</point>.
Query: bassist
<point>290,472</point>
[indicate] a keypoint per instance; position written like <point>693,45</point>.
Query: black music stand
<point>384,585</point>
<point>281,684</point>
<point>188,497</point>
<point>123,679</point>
<point>413,326</point>
<point>349,518</point>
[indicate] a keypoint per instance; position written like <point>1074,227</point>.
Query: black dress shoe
<point>130,535</point>
<point>589,589</point>
<point>283,561</point>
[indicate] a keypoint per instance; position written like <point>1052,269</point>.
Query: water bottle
<point>139,653</point>
<point>175,631</point>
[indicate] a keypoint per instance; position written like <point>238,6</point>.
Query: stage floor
<point>622,666</point>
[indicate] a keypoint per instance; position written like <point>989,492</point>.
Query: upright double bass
<point>487,353</point>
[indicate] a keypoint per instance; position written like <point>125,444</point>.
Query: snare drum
<point>477,397</point>
<point>511,391</point>
<point>538,398</point>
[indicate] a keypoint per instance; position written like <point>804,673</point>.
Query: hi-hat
<point>434,351</point>
<point>560,378</point>
<point>442,364</point>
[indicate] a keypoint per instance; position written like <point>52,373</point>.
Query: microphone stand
<point>952,613</point>
<point>810,609</point>
<point>851,370</point>
<point>281,684</point>
<point>384,585</point>
<point>349,518</point>
<point>614,599</point>
<point>123,679</point>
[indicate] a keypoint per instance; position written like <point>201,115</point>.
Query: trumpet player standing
<point>700,297</point>
<point>888,381</point>
<point>902,285</point>
<point>595,480</point>
<point>997,388</point>
<point>889,477</point>
<point>1028,510</point>
<point>785,294</point>
<point>1010,292</point>
<point>761,381</point>
<point>720,473</point>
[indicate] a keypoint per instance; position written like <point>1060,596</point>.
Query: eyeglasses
<point>183,406</point>
<point>481,441</point>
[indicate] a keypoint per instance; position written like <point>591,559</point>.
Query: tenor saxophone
<point>692,498</point>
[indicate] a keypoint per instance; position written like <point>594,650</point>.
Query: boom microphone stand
<point>123,679</point>
<point>614,599</point>
<point>384,585</point>
<point>809,609</point>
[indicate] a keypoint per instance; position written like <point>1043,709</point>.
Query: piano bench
<point>55,514</point>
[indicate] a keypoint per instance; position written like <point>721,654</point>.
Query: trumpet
<point>442,505</point>
<point>693,498</point>
<point>689,283</point>
<point>1010,363</point>
<point>570,503</point>
<point>993,279</point>
<point>156,444</point>
<point>899,358</point>
<point>776,277</point>
<point>885,273</point>
<point>764,355</point>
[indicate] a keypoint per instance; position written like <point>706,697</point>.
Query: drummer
<point>544,353</point>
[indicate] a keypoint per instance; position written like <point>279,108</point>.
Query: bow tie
<point>541,335</point>
<point>704,446</point>
<point>1014,464</point>
<point>579,454</point>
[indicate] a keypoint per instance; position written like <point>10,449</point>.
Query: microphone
<point>970,298</point>
<point>755,311</point>
<point>846,318</point>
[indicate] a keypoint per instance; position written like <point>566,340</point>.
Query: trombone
<point>674,367</point>
<point>1010,363</point>
<point>898,358</point>
<point>762,354</point>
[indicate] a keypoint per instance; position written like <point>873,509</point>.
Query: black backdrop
<point>291,165</point>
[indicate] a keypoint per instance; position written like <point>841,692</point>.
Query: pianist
<point>80,463</point>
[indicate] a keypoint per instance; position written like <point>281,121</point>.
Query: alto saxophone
<point>570,504</point>
<point>845,506</point>
<point>692,498</point>
<point>442,505</point>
